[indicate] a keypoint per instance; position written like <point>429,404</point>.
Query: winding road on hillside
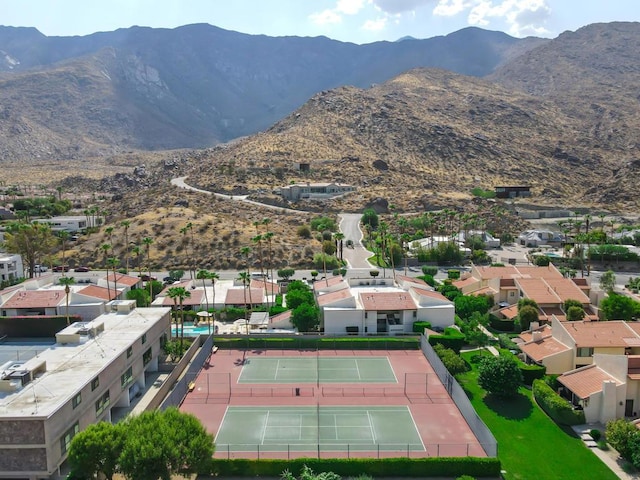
<point>349,224</point>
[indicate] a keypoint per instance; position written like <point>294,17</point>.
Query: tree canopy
<point>500,375</point>
<point>619,307</point>
<point>152,445</point>
<point>30,240</point>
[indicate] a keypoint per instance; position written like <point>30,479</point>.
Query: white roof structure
<point>63,369</point>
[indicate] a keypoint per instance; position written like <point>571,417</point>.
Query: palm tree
<point>126,224</point>
<point>339,238</point>
<point>179,293</point>
<point>245,278</point>
<point>113,262</point>
<point>67,281</point>
<point>258,240</point>
<point>213,276</point>
<point>105,247</point>
<point>184,230</point>
<point>64,236</point>
<point>205,275</point>
<point>109,231</point>
<point>148,241</point>
<point>268,237</point>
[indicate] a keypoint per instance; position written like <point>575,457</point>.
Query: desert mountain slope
<point>197,85</point>
<point>423,133</point>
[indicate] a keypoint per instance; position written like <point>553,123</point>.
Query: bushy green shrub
<point>595,434</point>
<point>353,467</point>
<point>453,274</point>
<point>429,270</point>
<point>505,342</point>
<point>451,338</point>
<point>530,373</point>
<point>419,327</point>
<point>428,279</point>
<point>451,360</point>
<point>500,324</point>
<point>555,406</point>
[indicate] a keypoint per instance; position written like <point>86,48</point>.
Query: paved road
<point>181,183</point>
<point>357,256</point>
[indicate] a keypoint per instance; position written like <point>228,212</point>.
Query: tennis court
<point>313,428</point>
<point>317,369</point>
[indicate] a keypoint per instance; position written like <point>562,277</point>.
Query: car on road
<point>81,269</point>
<point>147,278</point>
<point>60,268</point>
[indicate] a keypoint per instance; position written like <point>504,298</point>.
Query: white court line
<point>373,434</point>
<point>264,427</point>
<point>417,431</point>
<point>358,369</point>
<point>275,376</point>
<point>222,423</point>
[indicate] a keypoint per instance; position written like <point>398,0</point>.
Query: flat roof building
<point>92,368</point>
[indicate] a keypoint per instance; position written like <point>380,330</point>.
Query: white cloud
<point>400,6</point>
<point>523,17</point>
<point>326,17</point>
<point>375,25</point>
<point>349,7</point>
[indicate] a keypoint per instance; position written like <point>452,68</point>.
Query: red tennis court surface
<point>441,426</point>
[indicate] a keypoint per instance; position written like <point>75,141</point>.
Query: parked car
<point>60,268</point>
<point>40,269</point>
<point>147,278</point>
<point>81,269</point>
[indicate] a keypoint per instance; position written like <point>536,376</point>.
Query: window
<point>102,403</point>
<point>126,377</point>
<point>77,400</point>
<point>512,294</point>
<point>95,383</point>
<point>65,441</point>
<point>144,338</point>
<point>415,314</point>
<point>129,352</point>
<point>585,352</point>
<point>146,356</point>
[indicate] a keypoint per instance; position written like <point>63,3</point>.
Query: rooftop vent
<point>15,375</point>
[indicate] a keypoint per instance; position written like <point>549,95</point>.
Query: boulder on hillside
<point>379,205</point>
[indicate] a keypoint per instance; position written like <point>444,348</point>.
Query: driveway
<point>357,256</point>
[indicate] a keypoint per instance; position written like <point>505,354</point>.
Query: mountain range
<point>407,121</point>
<point>197,85</point>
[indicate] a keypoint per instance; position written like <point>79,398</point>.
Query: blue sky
<point>358,21</point>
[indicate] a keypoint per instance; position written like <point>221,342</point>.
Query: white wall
<point>337,319</point>
<point>439,315</point>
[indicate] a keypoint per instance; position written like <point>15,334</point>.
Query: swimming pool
<point>191,331</point>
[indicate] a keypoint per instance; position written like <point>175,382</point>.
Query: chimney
<point>537,336</point>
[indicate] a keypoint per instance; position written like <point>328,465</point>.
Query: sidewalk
<point>611,458</point>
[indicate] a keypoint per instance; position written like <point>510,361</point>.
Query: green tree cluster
<point>620,307</point>
<point>500,375</point>
<point>300,299</point>
<point>152,445</point>
<point>624,436</point>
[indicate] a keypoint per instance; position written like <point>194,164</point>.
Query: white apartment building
<point>10,266</point>
<point>93,368</point>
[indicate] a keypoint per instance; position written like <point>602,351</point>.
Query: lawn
<point>530,444</point>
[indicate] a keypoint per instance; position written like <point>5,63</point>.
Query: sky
<point>357,21</point>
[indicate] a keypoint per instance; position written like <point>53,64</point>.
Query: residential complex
<point>93,368</point>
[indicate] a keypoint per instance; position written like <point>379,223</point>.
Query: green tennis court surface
<point>317,369</point>
<point>278,429</point>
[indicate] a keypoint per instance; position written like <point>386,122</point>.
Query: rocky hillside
<point>193,86</point>
<point>423,136</point>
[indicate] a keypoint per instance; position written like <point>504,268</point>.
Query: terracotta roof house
<point>607,389</point>
<point>571,345</point>
<point>381,306</point>
<point>545,285</point>
<point>238,297</point>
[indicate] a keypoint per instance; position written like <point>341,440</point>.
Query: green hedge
<point>500,324</point>
<point>318,343</point>
<point>555,406</point>
<point>452,339</point>
<point>418,327</point>
<point>386,467</point>
<point>531,373</point>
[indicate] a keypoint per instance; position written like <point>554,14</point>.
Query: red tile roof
<point>331,297</point>
<point>102,293</point>
<point>541,349</point>
<point>382,301</point>
<point>586,381</point>
<point>194,300</point>
<point>405,278</point>
<point>602,334</point>
<point>430,293</point>
<point>35,299</point>
<point>319,285</point>
<point>123,279</point>
<point>270,288</point>
<point>236,296</point>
